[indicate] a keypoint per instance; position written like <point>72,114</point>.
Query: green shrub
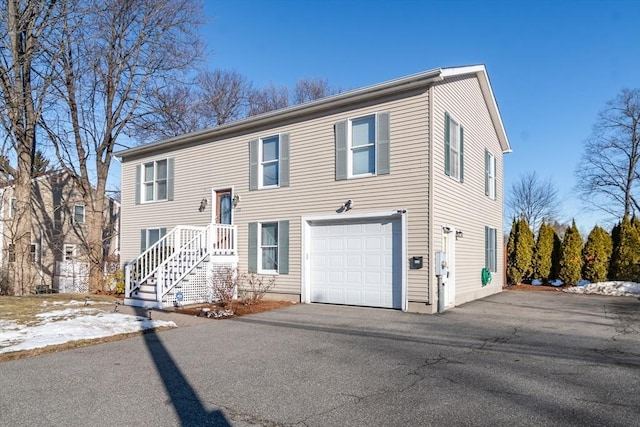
<point>596,255</point>
<point>625,257</point>
<point>519,251</point>
<point>543,253</point>
<point>571,258</point>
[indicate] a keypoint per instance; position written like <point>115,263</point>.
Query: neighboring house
<point>59,259</point>
<point>346,199</point>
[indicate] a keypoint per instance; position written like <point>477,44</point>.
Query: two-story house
<point>58,255</point>
<point>346,199</point>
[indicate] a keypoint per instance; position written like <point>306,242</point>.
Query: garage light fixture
<point>345,206</point>
<point>458,234</point>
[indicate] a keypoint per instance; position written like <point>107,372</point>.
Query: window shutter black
<point>170,167</point>
<point>252,258</point>
<point>253,164</point>
<point>341,150</point>
<point>138,183</point>
<point>447,153</point>
<point>283,247</point>
<point>284,160</point>
<point>383,144</point>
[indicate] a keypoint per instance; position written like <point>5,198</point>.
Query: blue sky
<point>553,64</point>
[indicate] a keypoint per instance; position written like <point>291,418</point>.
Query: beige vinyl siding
<point>313,190</point>
<point>465,206</point>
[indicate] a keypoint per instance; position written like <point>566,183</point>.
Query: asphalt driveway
<point>515,358</point>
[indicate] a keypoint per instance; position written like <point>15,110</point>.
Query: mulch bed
<point>218,311</point>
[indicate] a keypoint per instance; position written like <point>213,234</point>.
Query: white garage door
<point>357,263</point>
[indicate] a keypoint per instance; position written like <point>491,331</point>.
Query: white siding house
<point>340,198</point>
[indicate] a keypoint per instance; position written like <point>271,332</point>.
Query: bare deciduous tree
<point>24,80</point>
<point>224,96</point>
<point>608,175</point>
<point>307,90</point>
<point>114,54</point>
<point>268,99</point>
<point>534,199</point>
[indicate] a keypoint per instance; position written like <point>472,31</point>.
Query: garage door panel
<point>364,263</point>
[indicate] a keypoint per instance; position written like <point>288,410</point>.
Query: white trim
<point>452,120</point>
<point>306,224</point>
<point>350,174</point>
<point>261,162</point>
<point>214,202</point>
<point>143,193</point>
<point>450,302</point>
<point>84,214</point>
<point>259,247</point>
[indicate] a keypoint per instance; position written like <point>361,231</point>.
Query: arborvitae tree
<point>596,255</point>
<point>520,251</point>
<point>625,258</point>
<point>511,244</point>
<point>571,259</point>
<point>542,257</point>
<point>556,255</point>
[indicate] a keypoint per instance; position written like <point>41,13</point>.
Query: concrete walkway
<point>524,359</point>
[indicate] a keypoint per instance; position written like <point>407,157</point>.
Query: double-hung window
<point>69,252</point>
<point>33,252</point>
<point>453,148</point>
<point>78,214</point>
<point>490,175</point>
<point>154,181</point>
<point>362,146</point>
<point>12,207</point>
<point>269,247</point>
<point>490,249</point>
<point>269,162</point>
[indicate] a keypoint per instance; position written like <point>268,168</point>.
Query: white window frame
<point>454,149</point>
<point>33,254</point>
<point>69,248</point>
<point>371,145</point>
<point>262,270</point>
<point>491,177</point>
<point>262,162</point>
<point>74,218</point>
<point>154,181</point>
<point>148,232</point>
<point>491,250</point>
<point>12,207</point>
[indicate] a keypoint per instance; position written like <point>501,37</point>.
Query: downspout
<point>432,290</point>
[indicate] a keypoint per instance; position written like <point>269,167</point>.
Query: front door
<point>449,247</point>
<point>224,207</point>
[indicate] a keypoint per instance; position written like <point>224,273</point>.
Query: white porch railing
<point>175,255</point>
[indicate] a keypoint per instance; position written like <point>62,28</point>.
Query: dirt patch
<point>238,308</point>
<point>533,288</point>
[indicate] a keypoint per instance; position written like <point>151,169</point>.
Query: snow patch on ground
<point>619,289</point>
<point>62,326</point>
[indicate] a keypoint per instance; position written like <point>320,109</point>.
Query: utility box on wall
<point>415,262</point>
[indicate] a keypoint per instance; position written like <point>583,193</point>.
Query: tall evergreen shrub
<point>571,258</point>
<point>543,253</point>
<point>519,251</point>
<point>596,255</point>
<point>625,258</point>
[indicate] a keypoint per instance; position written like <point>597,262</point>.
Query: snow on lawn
<point>619,289</point>
<point>71,324</point>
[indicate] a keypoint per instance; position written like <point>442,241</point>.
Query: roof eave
<point>335,101</point>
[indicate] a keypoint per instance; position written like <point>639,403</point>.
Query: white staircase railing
<point>177,253</point>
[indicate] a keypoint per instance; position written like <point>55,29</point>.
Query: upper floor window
<point>269,162</point>
<point>69,252</point>
<point>453,148</point>
<point>33,252</point>
<point>12,207</point>
<point>362,146</point>
<point>490,175</point>
<point>154,181</point>
<point>12,252</point>
<point>78,214</point>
